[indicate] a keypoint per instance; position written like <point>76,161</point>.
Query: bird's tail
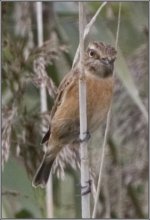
<point>43,172</point>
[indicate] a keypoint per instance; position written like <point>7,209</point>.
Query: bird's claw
<point>88,188</point>
<point>86,138</point>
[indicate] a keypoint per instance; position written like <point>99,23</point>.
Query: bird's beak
<point>105,62</point>
<point>108,64</point>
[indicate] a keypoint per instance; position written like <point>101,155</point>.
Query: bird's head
<point>99,59</point>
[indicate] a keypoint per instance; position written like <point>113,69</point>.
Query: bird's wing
<point>66,83</point>
<point>46,136</point>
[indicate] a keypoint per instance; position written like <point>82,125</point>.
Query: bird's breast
<point>99,95</point>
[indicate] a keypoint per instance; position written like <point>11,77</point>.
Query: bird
<point>64,128</point>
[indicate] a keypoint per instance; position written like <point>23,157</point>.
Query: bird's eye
<point>91,53</point>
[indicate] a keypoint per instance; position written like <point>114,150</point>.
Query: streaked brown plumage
<point>64,128</point>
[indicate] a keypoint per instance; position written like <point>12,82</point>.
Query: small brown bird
<point>64,127</point>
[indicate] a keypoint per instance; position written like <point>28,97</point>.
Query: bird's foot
<point>87,188</point>
<point>86,138</point>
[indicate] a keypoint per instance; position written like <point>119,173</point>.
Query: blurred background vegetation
<point>124,192</point>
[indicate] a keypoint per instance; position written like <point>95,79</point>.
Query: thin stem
<point>118,26</point>
<point>106,130</point>
<point>43,98</point>
<point>83,119</point>
<point>86,31</point>
<point>120,196</point>
<point>101,164</point>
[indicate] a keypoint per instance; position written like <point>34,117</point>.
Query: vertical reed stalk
<point>83,119</point>
<point>43,98</point>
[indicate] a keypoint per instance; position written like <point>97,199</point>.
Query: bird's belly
<point>96,118</point>
<point>98,103</point>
